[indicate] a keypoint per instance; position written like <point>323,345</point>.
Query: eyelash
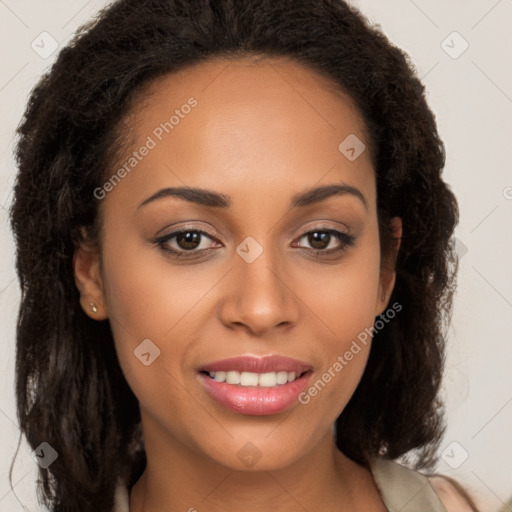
<point>345,239</point>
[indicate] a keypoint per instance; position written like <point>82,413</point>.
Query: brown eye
<point>185,243</point>
<point>324,240</point>
<point>318,239</point>
<point>188,240</point>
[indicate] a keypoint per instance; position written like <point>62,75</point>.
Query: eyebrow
<point>217,200</point>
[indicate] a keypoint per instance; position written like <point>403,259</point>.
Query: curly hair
<point>70,389</point>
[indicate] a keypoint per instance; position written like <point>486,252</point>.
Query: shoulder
<point>451,494</point>
<point>407,490</point>
<point>121,497</point>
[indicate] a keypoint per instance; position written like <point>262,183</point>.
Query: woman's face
<point>265,267</point>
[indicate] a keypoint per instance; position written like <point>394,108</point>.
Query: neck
<point>179,478</point>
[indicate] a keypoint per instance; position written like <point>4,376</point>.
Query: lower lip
<point>256,400</point>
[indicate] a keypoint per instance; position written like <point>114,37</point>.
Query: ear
<point>89,280</point>
<point>387,268</point>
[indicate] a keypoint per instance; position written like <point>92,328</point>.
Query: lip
<point>256,400</point>
<point>272,363</point>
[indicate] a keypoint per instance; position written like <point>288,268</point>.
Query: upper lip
<point>255,364</point>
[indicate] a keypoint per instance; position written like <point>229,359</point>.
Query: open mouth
<point>247,379</point>
<point>256,385</point>
<point>256,394</point>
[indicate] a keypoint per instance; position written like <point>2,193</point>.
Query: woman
<point>234,252</point>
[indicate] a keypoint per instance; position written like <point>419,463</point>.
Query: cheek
<point>150,298</point>
<point>344,296</point>
<point>344,302</point>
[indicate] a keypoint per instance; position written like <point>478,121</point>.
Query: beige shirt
<point>401,488</point>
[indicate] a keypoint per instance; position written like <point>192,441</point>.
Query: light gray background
<point>472,98</point>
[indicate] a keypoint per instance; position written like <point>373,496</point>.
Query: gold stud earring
<point>93,308</point>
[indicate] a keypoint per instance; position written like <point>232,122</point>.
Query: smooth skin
<point>263,131</point>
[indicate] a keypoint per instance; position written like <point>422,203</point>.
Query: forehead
<point>250,85</point>
<point>264,122</point>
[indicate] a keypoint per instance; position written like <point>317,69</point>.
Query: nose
<point>260,296</point>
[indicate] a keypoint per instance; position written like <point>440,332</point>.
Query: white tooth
<point>248,379</point>
<point>282,377</point>
<point>233,377</point>
<point>268,379</point>
<point>219,376</point>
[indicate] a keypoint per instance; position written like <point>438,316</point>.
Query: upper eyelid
<point>318,226</point>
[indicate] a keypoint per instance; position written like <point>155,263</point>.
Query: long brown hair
<point>71,392</point>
